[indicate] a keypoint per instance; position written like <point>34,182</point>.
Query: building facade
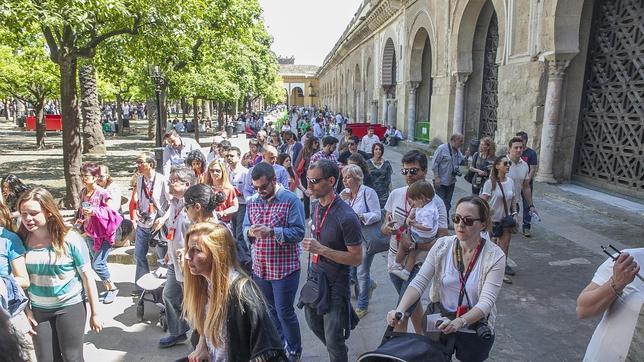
<point>568,72</point>
<point>301,85</point>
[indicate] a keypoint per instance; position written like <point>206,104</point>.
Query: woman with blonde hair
<point>222,303</point>
<point>217,178</point>
<point>56,256</point>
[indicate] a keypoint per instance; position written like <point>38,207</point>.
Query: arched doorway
<point>610,141</point>
<point>389,81</point>
<point>489,82</point>
<point>297,97</point>
<point>420,71</point>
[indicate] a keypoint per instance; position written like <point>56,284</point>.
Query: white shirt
<point>616,337</point>
<point>368,142</point>
<point>177,219</point>
<point>365,193</point>
<point>398,199</point>
<point>452,286</point>
<point>427,216</point>
<point>518,173</point>
<point>496,198</point>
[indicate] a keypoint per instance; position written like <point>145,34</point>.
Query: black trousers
<point>60,333</point>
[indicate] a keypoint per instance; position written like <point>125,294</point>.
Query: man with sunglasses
<point>327,152</point>
<point>273,226</point>
<point>352,149</point>
<point>397,209</point>
<point>335,245</point>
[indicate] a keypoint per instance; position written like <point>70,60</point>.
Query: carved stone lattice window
<point>611,139</point>
<point>489,98</point>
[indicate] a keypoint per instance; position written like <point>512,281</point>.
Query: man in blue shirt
<point>447,159</point>
<point>530,157</point>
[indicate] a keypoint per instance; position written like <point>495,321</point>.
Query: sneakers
<point>507,279</point>
<point>294,357</point>
<point>110,295</point>
<point>361,312</point>
<point>170,341</point>
<point>372,287</point>
<point>509,271</point>
<point>526,233</point>
<point>399,271</point>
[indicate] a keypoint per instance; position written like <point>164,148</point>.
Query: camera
<point>144,216</point>
<point>457,172</point>
<point>482,329</point>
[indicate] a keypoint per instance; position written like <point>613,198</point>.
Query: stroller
<point>406,347</point>
<point>152,285</point>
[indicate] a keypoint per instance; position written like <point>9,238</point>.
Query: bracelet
<point>618,292</point>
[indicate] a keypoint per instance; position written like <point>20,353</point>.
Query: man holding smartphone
<point>273,226</point>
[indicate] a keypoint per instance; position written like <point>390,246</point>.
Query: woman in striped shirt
<point>59,269</point>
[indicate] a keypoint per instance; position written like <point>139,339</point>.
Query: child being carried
<point>423,223</point>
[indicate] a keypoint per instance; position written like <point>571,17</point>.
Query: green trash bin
<point>422,132</point>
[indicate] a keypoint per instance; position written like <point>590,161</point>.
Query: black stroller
<point>407,347</point>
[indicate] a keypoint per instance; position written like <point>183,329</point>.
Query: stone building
<point>568,72</point>
<point>301,85</point>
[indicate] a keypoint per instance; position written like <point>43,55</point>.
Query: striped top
<point>55,281</point>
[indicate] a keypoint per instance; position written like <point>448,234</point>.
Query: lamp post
<point>157,77</point>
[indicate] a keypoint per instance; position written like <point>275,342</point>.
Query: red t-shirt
<point>231,196</point>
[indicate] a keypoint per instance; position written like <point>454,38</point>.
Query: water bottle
<point>535,216</point>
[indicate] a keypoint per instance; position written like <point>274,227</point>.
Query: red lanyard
<point>463,278</point>
<point>319,223</point>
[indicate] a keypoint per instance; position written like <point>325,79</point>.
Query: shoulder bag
<point>376,241</point>
<point>508,221</point>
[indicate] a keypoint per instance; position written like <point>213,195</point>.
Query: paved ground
<point>536,315</point>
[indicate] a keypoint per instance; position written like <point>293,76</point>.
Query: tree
<point>93,138</point>
<point>27,74</point>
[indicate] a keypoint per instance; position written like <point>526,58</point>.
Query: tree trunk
<point>195,123</point>
<point>205,109</point>
<point>119,116</point>
<point>219,115</point>
<point>151,106</point>
<point>40,123</point>
<point>72,156</point>
<point>93,138</point>
<point>164,111</point>
<point>184,108</point>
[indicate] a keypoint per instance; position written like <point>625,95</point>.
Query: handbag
<point>508,221</point>
<point>376,241</point>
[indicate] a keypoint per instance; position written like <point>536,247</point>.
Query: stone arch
<point>563,24</point>
<point>466,15</point>
<point>421,26</point>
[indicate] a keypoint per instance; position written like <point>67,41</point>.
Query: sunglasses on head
<point>456,219</point>
<point>413,171</point>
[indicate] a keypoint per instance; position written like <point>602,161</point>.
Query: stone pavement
<point>536,315</point>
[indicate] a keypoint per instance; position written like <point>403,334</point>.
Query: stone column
<point>374,112</point>
<point>385,113</point>
<point>391,112</point>
<point>556,72</point>
<point>459,103</point>
<point>411,111</point>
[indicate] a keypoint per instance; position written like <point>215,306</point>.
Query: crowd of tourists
<point>229,228</point>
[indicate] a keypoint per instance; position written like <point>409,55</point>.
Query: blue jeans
<point>99,260</point>
<point>330,327</point>
<point>141,246</point>
<point>446,192</point>
<point>280,296</point>
<point>364,279</point>
<point>527,219</point>
<point>172,298</point>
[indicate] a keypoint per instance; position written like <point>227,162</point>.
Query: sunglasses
<point>507,163</point>
<point>262,187</point>
<point>315,181</point>
<point>457,219</point>
<point>413,171</point>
